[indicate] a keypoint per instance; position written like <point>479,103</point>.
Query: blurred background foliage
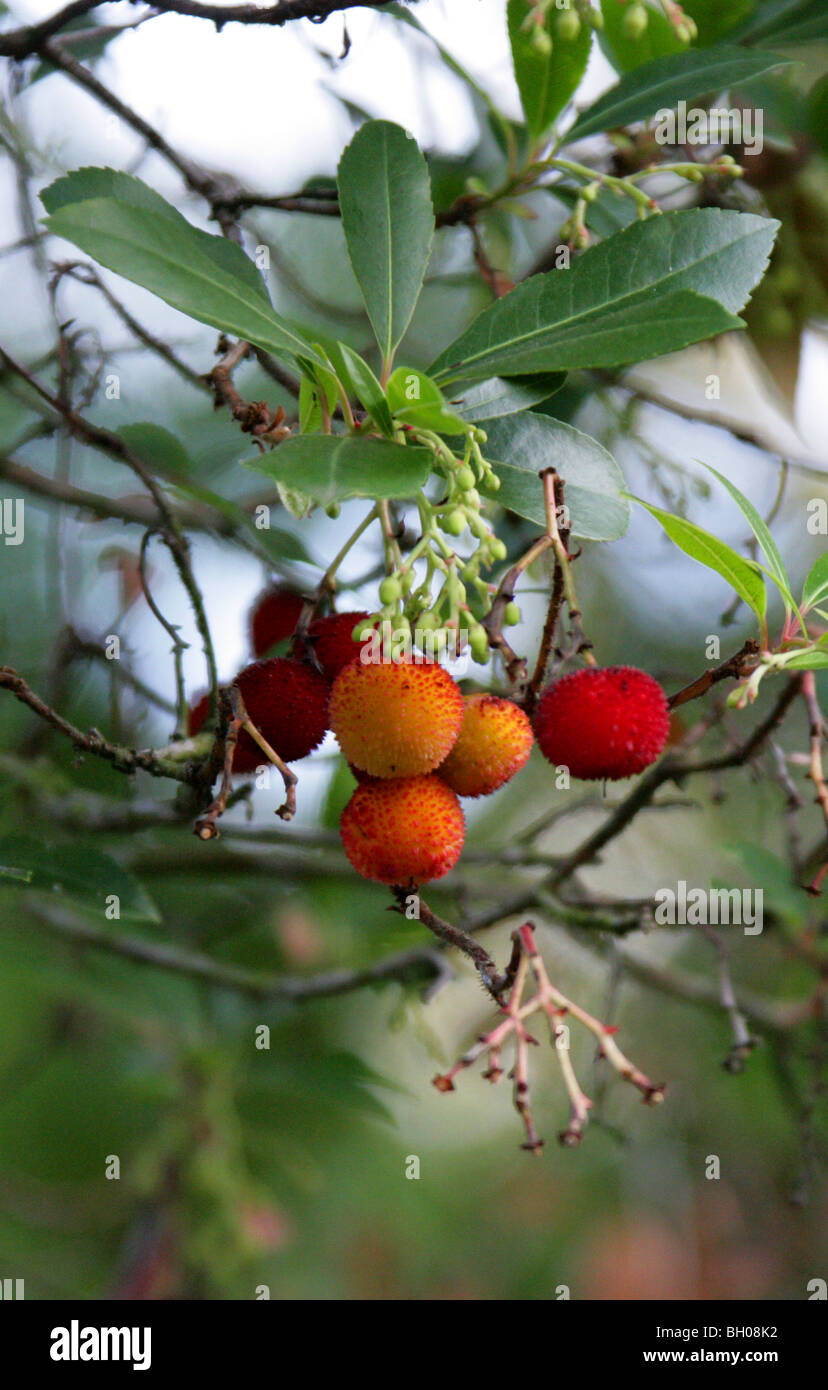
<point>240,1166</point>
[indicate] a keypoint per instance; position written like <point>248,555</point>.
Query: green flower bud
<point>332,510</point>
<point>542,42</point>
<point>479,645</point>
<point>466,478</point>
<point>568,25</point>
<point>454,524</point>
<point>497,549</point>
<point>511,614</point>
<point>635,21</point>
<point>390,589</point>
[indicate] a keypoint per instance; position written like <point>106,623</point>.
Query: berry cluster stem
<point>555,1006</point>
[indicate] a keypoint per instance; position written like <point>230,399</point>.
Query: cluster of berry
<point>416,743</point>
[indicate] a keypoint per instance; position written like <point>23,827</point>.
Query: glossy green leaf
<point>742,575</point>
<point>661,84</point>
<point>649,289</point>
<point>786,21</point>
<point>361,383</point>
<point>497,396</point>
<point>808,661</point>
<point>158,447</point>
<point>415,400</point>
<point>204,276</point>
<point>776,565</point>
<point>520,446</point>
<point>658,39</point>
<point>387,214</point>
<point>75,873</point>
<point>331,468</point>
<point>815,589</point>
<point>546,81</point>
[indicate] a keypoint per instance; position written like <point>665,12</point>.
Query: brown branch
<point>741,664</point>
<point>453,936</point>
<point>816,733</point>
<point>407,967</point>
<point>124,759</point>
<point>132,510</point>
<point>18,44</point>
<point>255,417</point>
<point>171,531</point>
<point>86,274</point>
<point>669,769</point>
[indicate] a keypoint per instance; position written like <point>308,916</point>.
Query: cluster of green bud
<point>407,596</point>
<point>566,19</point>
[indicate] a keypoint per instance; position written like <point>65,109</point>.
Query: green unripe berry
<point>511,614</point>
<point>635,21</point>
<point>479,645</point>
<point>454,524</point>
<point>390,589</point>
<point>497,549</point>
<point>478,527</point>
<point>332,510</point>
<point>542,42</point>
<point>472,498</point>
<point>568,25</point>
<point>466,478</point>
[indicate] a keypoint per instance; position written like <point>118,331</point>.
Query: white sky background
<point>253,100</point>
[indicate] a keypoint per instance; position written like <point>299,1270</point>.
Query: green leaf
<point>626,300</point>
<point>158,447</point>
<point>546,82</point>
<point>742,575</point>
<point>817,113</point>
<point>361,383</point>
<point>787,21</point>
<point>658,39</point>
<point>519,446</point>
<point>808,661</point>
<point>415,400</point>
<point>385,199</point>
<point>90,183</point>
<point>714,20</point>
<point>815,589</point>
<point>76,873</point>
<point>332,467</point>
<point>497,396</point>
<point>148,242</point>
<point>661,84</point>
<point>776,565</point>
